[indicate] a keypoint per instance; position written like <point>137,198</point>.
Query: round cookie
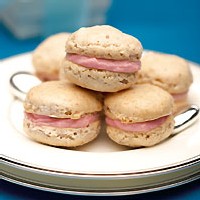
<point>139,116</point>
<point>169,72</point>
<point>62,114</point>
<point>48,55</point>
<point>102,58</point>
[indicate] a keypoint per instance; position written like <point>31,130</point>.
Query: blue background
<point>171,26</point>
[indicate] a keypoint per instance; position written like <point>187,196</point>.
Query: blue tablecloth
<point>167,26</point>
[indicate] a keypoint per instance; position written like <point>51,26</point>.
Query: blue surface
<point>168,26</point>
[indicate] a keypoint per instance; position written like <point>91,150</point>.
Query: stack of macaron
<point>169,72</point>
<point>101,60</point>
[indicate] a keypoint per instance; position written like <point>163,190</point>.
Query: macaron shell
<point>104,42</point>
<point>62,100</point>
<point>142,139</point>
<point>138,104</point>
<point>180,106</point>
<point>98,80</point>
<point>169,72</point>
<point>47,56</point>
<point>65,137</point>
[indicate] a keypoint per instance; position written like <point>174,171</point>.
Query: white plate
<point>101,167</point>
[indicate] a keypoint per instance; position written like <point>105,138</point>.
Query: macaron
<point>47,57</point>
<point>58,113</point>
<point>102,58</point>
<point>140,116</point>
<point>170,72</point>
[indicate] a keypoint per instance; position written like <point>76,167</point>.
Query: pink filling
<point>180,96</point>
<point>136,127</point>
<point>123,66</point>
<point>42,120</point>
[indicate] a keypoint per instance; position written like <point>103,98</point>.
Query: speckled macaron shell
<point>62,137</point>
<point>61,100</point>
<point>47,57</point>
<point>104,42</point>
<point>169,72</point>
<point>142,139</point>
<point>138,104</point>
<point>98,80</point>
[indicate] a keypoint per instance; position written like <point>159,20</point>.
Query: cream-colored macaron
<point>47,57</point>
<point>139,116</point>
<point>169,72</point>
<point>102,58</point>
<point>62,114</point>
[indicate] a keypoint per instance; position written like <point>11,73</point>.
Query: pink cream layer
<point>42,120</point>
<point>136,127</point>
<point>180,96</point>
<point>123,66</point>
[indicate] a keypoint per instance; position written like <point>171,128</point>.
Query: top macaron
<point>104,42</point>
<point>102,58</point>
